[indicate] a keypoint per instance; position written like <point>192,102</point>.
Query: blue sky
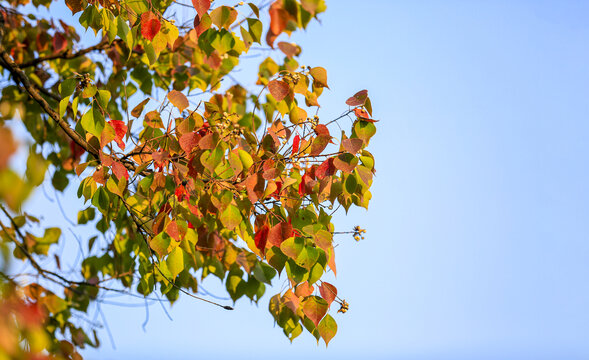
<point>478,231</point>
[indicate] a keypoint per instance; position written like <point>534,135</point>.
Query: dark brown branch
<point>68,54</point>
<point>21,77</point>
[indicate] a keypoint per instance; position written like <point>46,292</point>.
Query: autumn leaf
<point>319,144</point>
<point>119,170</point>
<point>326,169</point>
<point>150,25</point>
<point>178,99</point>
<point>201,6</point>
<point>59,42</point>
<point>278,21</point>
<point>358,99</point>
<point>188,141</point>
<point>279,232</point>
<point>120,132</point>
<point>137,110</point>
<point>327,328</point>
<point>352,145</point>
<point>279,89</point>
<point>328,292</point>
<point>314,308</point>
<point>7,146</point>
<point>319,75</point>
<point>363,115</point>
<point>261,238</point>
<point>295,144</point>
<point>74,5</point>
<point>289,49</point>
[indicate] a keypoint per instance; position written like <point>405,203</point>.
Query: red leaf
<point>150,25</point>
<point>306,185</point>
<point>119,170</point>
<point>328,292</point>
<point>188,141</point>
<point>321,130</point>
<point>261,238</point>
<point>358,99</point>
<point>201,6</point>
<point>181,193</point>
<point>352,145</point>
<point>279,232</point>
<point>59,42</point>
<point>295,144</point>
<point>363,115</point>
<point>120,132</point>
<point>279,89</point>
<point>327,168</point>
<point>276,194</point>
<point>77,150</point>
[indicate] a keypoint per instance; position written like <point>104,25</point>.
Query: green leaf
<point>63,103</point>
<point>103,98</point>
<point>86,215</point>
<point>161,244</point>
<point>231,217</point>
<point>327,328</point>
<point>67,87</point>
<point>255,29</point>
<point>36,168</point>
<point>51,236</point>
<point>292,247</point>
<point>175,262</point>
<point>264,273</point>
<point>93,122</point>
<point>364,130</point>
<point>101,200</point>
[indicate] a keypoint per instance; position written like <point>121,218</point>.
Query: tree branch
<point>67,54</point>
<point>21,77</point>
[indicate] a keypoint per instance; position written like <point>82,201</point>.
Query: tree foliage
<point>185,176</point>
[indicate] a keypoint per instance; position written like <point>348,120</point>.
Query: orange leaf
<point>304,289</point>
<point>328,292</point>
<point>150,25</point>
<point>178,99</point>
<point>172,230</point>
<point>201,6</point>
<point>279,89</point>
<point>314,308</point>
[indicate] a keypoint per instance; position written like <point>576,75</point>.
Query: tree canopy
<point>184,172</point>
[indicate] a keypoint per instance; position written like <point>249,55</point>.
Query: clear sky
<point>478,231</point>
